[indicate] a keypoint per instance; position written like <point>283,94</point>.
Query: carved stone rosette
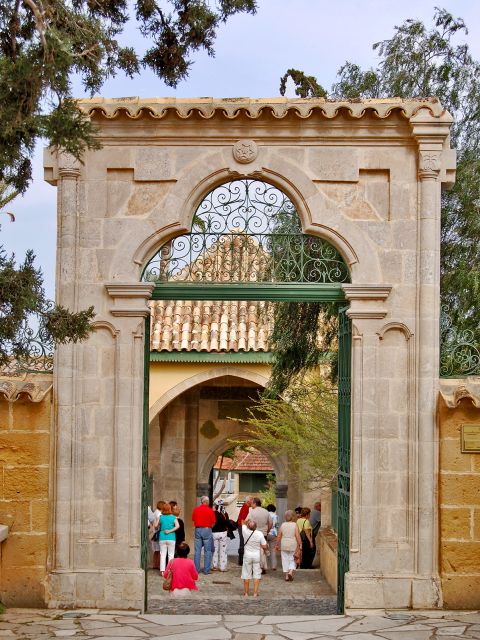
<point>245,151</point>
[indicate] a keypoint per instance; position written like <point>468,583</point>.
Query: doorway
<point>246,249</point>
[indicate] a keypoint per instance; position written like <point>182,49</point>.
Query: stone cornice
<point>231,108</point>
<point>127,296</point>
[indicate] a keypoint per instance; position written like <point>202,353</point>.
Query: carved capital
<point>429,164</point>
<point>68,166</point>
<point>245,151</point>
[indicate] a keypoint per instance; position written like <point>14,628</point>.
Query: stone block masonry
<point>459,499</point>
<point>25,423</point>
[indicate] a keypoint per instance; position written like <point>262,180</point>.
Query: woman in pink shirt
<point>183,571</point>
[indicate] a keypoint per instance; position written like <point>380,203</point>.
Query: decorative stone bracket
<point>130,299</point>
<point>367,301</point>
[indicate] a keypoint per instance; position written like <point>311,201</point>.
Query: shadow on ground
<point>222,593</point>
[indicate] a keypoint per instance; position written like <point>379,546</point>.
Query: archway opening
<point>216,293</point>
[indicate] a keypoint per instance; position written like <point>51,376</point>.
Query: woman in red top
<point>183,571</point>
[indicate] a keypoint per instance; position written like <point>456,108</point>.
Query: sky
<point>252,53</point>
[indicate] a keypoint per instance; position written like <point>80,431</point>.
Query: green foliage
<point>303,332</point>
<point>21,297</point>
<point>44,42</point>
<point>302,426</point>
<point>268,496</point>
<point>418,62</point>
<point>305,86</point>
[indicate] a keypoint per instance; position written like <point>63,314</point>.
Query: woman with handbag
<point>289,543</point>
<point>180,574</point>
<point>308,546</point>
<point>168,526</point>
<point>254,543</point>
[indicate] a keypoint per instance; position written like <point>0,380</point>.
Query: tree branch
<point>39,15</point>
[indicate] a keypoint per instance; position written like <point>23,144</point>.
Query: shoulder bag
<point>167,582</point>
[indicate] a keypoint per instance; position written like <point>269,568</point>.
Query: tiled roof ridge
<point>135,107</point>
<point>253,460</point>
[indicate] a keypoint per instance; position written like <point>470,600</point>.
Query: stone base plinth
<point>392,592</point>
<point>99,589</point>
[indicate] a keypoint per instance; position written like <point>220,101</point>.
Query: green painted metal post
<point>344,418</point>
<point>145,477</point>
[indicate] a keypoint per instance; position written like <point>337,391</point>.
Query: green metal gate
<point>344,417</point>
<point>146,479</point>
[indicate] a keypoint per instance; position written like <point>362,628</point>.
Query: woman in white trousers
<point>288,541</point>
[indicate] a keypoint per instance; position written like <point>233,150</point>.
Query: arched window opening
<point>246,231</point>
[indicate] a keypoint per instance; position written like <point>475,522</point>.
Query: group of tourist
<point>260,539</point>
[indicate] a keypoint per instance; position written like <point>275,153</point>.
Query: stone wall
<point>459,508</point>
<point>25,422</point>
<point>327,543</point>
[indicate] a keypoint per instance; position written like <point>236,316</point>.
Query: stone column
<point>64,369</point>
<point>203,489</point>
<point>281,492</point>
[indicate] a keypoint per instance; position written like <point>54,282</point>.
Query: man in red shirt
<point>203,518</point>
<point>242,516</point>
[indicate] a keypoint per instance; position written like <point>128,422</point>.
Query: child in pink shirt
<point>183,571</point>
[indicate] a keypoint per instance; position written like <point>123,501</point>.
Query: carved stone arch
<point>183,199</point>
<point>279,463</point>
<point>204,376</point>
<point>399,326</point>
<point>104,324</point>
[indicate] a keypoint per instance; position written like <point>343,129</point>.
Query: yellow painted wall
<point>166,376</point>
<point>459,510</point>
<point>24,508</point>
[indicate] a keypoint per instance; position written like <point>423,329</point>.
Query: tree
<point>44,42</point>
<point>302,426</point>
<point>419,62</point>
<point>21,297</point>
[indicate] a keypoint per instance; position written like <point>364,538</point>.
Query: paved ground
<point>222,593</point>
<point>29,624</point>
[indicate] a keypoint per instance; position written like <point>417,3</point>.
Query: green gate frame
<point>311,292</point>
<point>344,432</point>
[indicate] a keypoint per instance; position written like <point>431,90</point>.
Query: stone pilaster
<point>64,370</point>
<point>428,370</point>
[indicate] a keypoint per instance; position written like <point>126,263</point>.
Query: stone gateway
<point>366,176</point>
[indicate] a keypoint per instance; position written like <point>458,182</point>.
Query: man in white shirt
<point>263,520</point>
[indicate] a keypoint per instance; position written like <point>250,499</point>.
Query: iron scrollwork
<point>32,352</point>
<point>246,231</point>
<point>459,350</point>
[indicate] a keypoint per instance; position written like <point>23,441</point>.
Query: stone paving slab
<point>21,624</point>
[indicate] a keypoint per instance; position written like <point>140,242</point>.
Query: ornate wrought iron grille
<point>32,352</point>
<point>459,350</point>
<point>246,231</point>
